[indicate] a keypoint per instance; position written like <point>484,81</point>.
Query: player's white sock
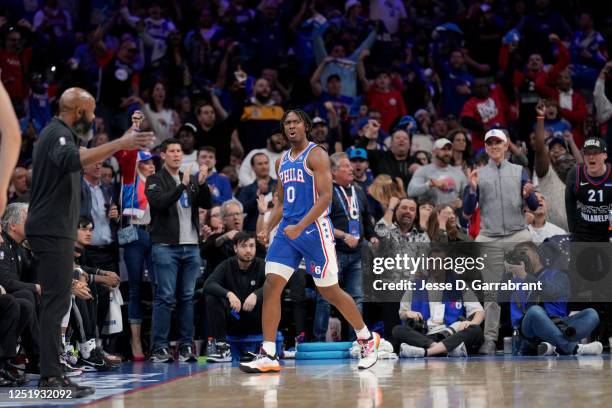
<point>63,340</point>
<point>269,347</point>
<point>363,334</point>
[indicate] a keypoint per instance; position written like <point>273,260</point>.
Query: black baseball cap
<point>595,144</point>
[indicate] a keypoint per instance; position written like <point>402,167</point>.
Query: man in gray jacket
<point>443,182</point>
<point>499,190</point>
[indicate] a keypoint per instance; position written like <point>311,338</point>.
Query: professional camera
<point>418,325</point>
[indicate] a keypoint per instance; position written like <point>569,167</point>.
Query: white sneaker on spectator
<point>220,352</point>
<point>590,349</point>
<point>459,351</point>
<point>408,351</point>
<point>546,349</point>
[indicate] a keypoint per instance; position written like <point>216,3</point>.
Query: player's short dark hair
<point>243,236</point>
<point>168,142</point>
<point>302,115</point>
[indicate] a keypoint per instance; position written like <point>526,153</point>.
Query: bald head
<point>77,111</point>
<point>74,98</point>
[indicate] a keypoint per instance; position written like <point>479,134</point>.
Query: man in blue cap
<point>362,175</point>
<point>359,161</point>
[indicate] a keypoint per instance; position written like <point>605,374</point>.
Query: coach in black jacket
<point>174,199</point>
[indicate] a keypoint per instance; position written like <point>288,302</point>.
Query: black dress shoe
<point>32,370</point>
<point>63,383</point>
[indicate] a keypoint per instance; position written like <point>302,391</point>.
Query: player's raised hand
<point>292,231</point>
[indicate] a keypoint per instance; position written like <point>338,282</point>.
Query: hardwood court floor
<point>435,382</point>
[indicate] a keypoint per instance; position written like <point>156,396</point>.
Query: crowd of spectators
<point>420,103</point>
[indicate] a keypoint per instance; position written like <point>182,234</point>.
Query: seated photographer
<point>541,316</point>
<point>439,322</point>
<point>234,297</point>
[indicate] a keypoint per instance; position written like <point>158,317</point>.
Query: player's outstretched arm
<point>10,144</point>
<point>318,162</point>
<point>277,212</point>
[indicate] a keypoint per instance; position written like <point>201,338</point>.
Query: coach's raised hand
<point>133,139</point>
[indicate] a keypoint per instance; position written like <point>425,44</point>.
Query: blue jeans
<point>137,255</point>
<point>537,324</point>
<point>176,269</point>
<point>350,278</point>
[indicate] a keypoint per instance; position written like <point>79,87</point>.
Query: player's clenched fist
<point>292,231</point>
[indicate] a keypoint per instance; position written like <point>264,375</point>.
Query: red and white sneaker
<point>369,351</point>
<point>262,363</point>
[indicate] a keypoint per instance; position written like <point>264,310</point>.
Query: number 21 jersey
<point>593,204</point>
